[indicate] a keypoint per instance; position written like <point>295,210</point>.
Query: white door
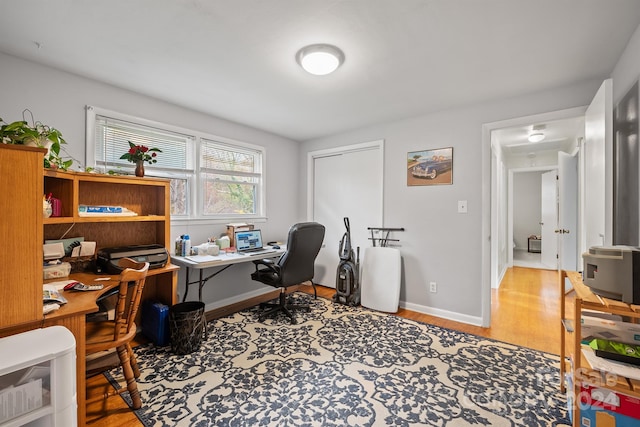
<point>597,204</point>
<point>549,220</point>
<point>568,211</point>
<point>347,183</point>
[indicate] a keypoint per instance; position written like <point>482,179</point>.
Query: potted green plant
<point>36,134</point>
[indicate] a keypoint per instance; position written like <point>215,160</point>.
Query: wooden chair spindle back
<point>134,273</point>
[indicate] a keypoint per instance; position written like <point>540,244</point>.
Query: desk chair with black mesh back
<point>294,267</point>
<point>118,333</point>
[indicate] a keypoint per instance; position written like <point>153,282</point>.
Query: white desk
<point>202,262</point>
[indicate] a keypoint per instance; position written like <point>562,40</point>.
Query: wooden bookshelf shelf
<point>571,341</point>
<point>147,197</point>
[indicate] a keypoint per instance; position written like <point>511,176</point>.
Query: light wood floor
<point>525,311</point>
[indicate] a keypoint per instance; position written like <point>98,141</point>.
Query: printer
<point>613,272</point>
<point>108,258</point>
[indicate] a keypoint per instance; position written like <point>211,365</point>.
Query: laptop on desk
<point>250,243</point>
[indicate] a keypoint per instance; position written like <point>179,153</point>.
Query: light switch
<point>462,206</point>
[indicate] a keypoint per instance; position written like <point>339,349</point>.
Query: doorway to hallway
<point>507,147</point>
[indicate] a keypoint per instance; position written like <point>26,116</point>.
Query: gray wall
<point>627,70</point>
<point>624,75</point>
<point>439,244</point>
<point>58,98</point>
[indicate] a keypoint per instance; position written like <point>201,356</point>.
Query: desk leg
<point>201,281</point>
<point>186,284</point>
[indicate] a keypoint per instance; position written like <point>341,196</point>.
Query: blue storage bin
<point>155,322</point>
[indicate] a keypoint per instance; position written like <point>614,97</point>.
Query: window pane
<point>179,196</point>
<point>228,195</point>
<point>219,157</point>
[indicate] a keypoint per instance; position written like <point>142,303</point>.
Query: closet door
<point>346,182</point>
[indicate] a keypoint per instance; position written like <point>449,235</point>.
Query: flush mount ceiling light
<point>536,134</point>
<point>536,137</point>
<point>320,59</point>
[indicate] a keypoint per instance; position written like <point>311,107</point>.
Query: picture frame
<point>430,167</point>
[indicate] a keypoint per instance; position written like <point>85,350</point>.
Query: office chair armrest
<point>265,261</point>
<point>269,263</point>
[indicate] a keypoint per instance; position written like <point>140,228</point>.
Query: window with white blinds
<point>112,138</point>
<point>211,177</point>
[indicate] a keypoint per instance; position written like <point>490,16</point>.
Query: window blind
<point>233,160</point>
<point>111,142</point>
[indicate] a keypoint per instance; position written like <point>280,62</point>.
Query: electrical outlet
<point>433,287</point>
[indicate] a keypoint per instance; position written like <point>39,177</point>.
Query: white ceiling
<point>235,59</point>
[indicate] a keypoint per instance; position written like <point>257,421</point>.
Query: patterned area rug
<point>345,366</point>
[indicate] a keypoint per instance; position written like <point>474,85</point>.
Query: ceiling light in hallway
<point>536,137</point>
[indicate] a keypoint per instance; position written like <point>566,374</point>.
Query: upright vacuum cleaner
<point>347,280</point>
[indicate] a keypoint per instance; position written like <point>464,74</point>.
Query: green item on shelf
<point>616,350</point>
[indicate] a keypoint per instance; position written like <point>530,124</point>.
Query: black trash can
<point>187,325</point>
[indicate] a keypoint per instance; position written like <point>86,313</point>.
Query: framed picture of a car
<point>430,167</point>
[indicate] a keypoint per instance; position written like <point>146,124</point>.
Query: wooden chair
<point>118,333</point>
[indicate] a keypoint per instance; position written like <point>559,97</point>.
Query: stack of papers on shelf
<point>98,210</point>
<point>51,294</point>
<point>607,365</point>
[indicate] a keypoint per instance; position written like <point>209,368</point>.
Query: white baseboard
<point>501,276</point>
<point>449,315</point>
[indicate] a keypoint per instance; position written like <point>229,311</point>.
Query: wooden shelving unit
<point>148,197</point>
<point>571,346</point>
<point>24,228</point>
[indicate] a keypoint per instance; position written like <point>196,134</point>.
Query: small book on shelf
<point>86,210</point>
<point>100,209</point>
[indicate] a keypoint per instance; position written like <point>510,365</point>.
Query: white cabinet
<point>38,378</point>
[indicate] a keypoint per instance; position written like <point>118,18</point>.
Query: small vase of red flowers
<point>139,154</point>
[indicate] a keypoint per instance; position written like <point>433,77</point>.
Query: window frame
<point>195,188</point>
<point>245,149</point>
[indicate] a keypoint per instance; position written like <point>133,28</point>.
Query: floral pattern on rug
<point>374,340</point>
<point>509,381</point>
<point>346,366</point>
<point>292,392</point>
